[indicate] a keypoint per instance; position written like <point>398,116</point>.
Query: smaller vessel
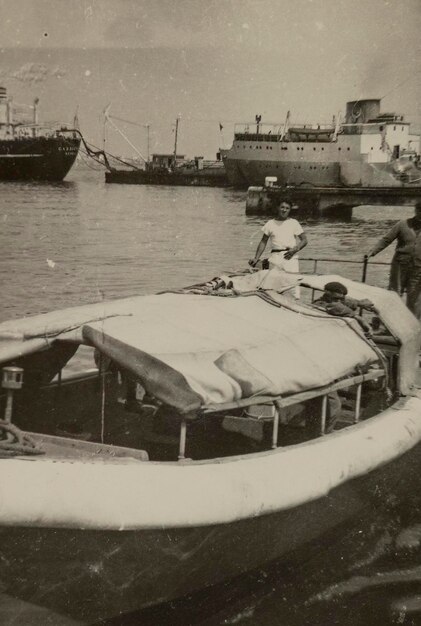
<point>29,150</point>
<point>169,169</point>
<point>161,170</point>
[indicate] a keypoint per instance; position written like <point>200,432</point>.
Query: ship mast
<point>175,142</point>
<point>35,117</point>
<point>285,127</point>
<point>148,148</point>
<point>105,118</point>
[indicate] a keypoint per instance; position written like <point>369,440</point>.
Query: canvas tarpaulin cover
<point>191,351</point>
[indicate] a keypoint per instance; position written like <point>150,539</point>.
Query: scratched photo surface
<point>126,80</point>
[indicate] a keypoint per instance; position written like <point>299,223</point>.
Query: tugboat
<point>161,171</point>
<point>170,169</point>
<point>30,151</point>
<point>366,149</point>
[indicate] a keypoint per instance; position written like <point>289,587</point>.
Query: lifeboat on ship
<point>308,133</point>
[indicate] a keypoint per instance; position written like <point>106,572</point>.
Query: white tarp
<point>232,348</point>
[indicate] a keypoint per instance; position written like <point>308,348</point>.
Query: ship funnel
<point>3,93</point>
<point>362,111</point>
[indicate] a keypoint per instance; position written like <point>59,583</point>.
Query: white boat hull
<point>95,539</point>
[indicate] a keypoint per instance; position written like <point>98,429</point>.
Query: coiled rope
<point>14,442</point>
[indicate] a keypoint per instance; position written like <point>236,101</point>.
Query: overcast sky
<point>336,25</point>
<point>231,58</point>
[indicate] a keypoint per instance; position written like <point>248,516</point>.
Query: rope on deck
<point>14,442</point>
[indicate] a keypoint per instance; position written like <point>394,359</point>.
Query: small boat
<point>160,170</point>
<point>218,428</point>
<point>171,169</point>
<point>309,133</point>
<point>31,151</point>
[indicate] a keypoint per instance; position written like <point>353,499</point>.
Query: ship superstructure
<point>29,151</point>
<point>366,148</point>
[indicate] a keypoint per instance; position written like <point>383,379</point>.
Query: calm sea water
<point>81,241</point>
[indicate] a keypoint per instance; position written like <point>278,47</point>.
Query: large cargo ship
<point>366,149</point>
<point>30,151</point>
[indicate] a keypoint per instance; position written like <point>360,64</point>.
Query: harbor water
<point>81,241</point>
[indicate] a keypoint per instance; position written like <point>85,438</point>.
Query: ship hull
<point>243,173</point>
<point>37,158</point>
<point>89,575</point>
<point>197,178</point>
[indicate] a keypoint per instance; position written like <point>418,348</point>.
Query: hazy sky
<point>213,60</point>
<point>315,24</point>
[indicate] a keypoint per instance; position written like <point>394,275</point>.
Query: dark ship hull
<point>211,177</point>
<point>38,158</point>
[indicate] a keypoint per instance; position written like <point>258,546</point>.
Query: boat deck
<point>59,448</point>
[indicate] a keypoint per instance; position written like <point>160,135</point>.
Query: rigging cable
<point>126,138</point>
<point>398,85</point>
<point>95,153</point>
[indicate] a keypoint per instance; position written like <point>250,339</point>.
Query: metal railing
<point>364,264</point>
<point>281,402</point>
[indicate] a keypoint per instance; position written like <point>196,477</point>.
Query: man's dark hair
<point>336,287</point>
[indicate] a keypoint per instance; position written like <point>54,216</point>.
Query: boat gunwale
<point>193,490</point>
<point>397,405</point>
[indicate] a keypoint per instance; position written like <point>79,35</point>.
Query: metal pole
<point>8,412</point>
<point>358,404</point>
<point>365,265</point>
<point>175,142</point>
<point>101,375</point>
<point>57,395</point>
<point>182,447</point>
<point>147,130</point>
<point>275,429</point>
<point>314,271</point>
<point>12,378</point>
<point>323,417</point>
<point>104,132</point>
<point>35,118</point>
<point>9,406</point>
<point>9,117</point>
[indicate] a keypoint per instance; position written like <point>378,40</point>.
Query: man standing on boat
<point>405,269</point>
<point>287,238</point>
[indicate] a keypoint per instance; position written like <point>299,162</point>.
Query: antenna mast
<point>147,132</point>
<point>175,142</point>
<point>104,125</point>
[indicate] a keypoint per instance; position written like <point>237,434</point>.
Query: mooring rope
<point>14,441</point>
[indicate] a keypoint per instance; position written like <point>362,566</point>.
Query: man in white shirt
<point>287,238</point>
